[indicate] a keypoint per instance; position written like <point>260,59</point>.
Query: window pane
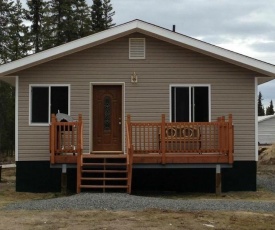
<point>180,104</point>
<point>201,108</point>
<point>40,105</point>
<point>59,99</point>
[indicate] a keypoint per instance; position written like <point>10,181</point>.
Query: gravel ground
<point>267,182</point>
<point>121,201</point>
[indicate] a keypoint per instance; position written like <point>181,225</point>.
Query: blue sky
<point>243,26</point>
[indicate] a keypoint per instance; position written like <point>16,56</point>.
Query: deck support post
<point>218,180</point>
<point>64,179</point>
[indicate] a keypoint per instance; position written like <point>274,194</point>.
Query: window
<point>190,103</point>
<point>137,48</point>
<point>47,99</point>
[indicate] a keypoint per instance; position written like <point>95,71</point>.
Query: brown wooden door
<point>107,118</point>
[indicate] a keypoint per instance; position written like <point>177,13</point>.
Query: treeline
<point>261,110</point>
<point>48,23</point>
<point>43,24</point>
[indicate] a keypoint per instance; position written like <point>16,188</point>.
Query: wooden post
<point>79,152</point>
<point>230,139</point>
<point>129,154</point>
<point>220,133</point>
<point>64,179</point>
<point>218,180</point>
<point>53,135</point>
<point>163,158</point>
<point>129,127</point>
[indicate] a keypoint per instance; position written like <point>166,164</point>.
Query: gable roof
<point>265,69</point>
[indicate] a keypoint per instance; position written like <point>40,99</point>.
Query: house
<point>266,130</point>
<point>176,90</point>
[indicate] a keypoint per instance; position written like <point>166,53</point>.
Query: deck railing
<point>182,137</point>
<point>66,138</point>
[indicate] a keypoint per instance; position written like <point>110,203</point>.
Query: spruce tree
<point>82,18</point>
<point>7,122</point>
<point>260,105</point>
<point>70,20</point>
<point>108,13</point>
<point>5,12</point>
<point>97,16</point>
<point>36,14</point>
<point>17,45</point>
<point>270,109</point>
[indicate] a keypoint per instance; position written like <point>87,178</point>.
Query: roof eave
<point>68,48</point>
<point>263,68</point>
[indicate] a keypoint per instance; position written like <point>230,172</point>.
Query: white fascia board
<point>211,50</point>
<point>146,28</point>
<point>66,49</point>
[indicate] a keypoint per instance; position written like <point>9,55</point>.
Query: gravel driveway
<point>121,201</point>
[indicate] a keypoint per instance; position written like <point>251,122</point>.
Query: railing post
<point>79,151</point>
<point>52,138</point>
<point>220,133</point>
<point>163,157</point>
<point>129,153</point>
<point>230,139</point>
<point>129,127</point>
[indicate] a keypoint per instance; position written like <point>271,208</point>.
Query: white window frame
<point>49,115</point>
<point>190,104</point>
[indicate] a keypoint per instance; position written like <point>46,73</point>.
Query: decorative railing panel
<point>182,137</point>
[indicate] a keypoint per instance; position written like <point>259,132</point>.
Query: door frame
<point>92,84</point>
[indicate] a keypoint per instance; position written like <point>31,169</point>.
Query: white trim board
<point>263,68</point>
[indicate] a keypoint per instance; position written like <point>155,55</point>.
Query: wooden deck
<point>181,142</point>
<point>146,143</point>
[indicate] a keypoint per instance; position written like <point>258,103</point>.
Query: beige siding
<point>232,89</point>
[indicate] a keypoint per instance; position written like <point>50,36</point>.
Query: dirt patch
<point>149,219</point>
<point>267,155</point>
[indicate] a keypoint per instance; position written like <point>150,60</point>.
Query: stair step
<point>102,156</point>
<point>102,179</point>
<point>104,164</point>
<point>103,186</point>
<point>103,171</point>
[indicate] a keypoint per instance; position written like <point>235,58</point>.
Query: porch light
<point>134,78</point>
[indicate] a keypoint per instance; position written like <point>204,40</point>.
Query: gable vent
<point>137,48</point>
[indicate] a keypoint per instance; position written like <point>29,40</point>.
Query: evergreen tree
<point>70,20</point>
<point>260,105</point>
<point>5,10</point>
<point>36,14</point>
<point>270,109</point>
<point>108,13</point>
<point>82,18</point>
<point>17,45</point>
<point>7,127</point>
<point>97,16</point>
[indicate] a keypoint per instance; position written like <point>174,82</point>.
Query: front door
<point>107,118</point>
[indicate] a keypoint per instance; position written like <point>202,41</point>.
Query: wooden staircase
<point>104,172</point>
